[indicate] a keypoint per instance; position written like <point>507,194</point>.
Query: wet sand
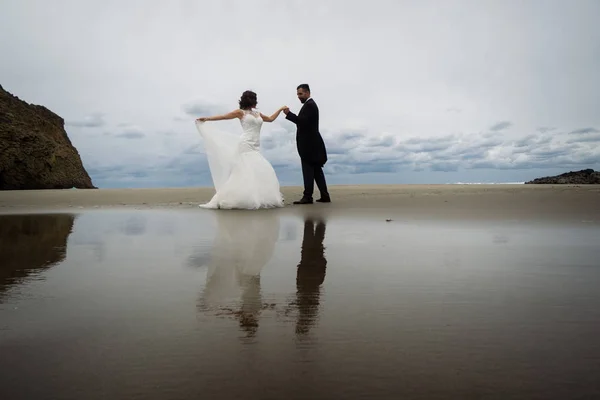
<point>421,292</point>
<point>497,202</point>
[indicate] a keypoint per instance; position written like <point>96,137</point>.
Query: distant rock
<point>35,151</point>
<point>583,177</point>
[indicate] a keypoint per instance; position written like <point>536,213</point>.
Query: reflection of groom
<point>310,275</point>
<point>311,147</point>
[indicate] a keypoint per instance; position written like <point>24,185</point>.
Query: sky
<point>408,91</point>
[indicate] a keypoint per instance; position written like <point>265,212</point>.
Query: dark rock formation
<point>35,151</point>
<point>583,177</point>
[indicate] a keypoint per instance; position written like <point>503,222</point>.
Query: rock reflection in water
<point>244,244</point>
<point>31,243</point>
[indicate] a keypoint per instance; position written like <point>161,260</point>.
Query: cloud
<point>384,140</point>
<point>130,132</point>
<point>130,135</point>
<point>444,102</point>
<point>500,126</point>
<point>91,121</point>
<point>445,166</point>
<point>585,139</point>
<point>544,129</point>
<point>178,158</point>
<point>583,131</point>
<point>454,152</point>
<point>198,108</point>
<point>128,175</point>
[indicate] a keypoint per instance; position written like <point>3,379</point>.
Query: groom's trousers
<point>313,173</point>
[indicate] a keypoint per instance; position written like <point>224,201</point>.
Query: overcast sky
<point>409,91</point>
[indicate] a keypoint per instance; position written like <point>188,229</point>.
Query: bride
<point>242,176</point>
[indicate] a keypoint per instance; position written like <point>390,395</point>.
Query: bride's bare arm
<point>272,117</point>
<point>234,114</point>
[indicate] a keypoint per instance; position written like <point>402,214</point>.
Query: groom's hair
<point>304,86</point>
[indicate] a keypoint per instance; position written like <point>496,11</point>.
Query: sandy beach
<point>419,201</point>
<point>469,291</point>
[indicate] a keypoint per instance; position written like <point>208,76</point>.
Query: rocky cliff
<point>583,177</point>
<point>35,151</point>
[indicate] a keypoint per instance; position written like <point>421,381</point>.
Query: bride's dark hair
<point>248,100</point>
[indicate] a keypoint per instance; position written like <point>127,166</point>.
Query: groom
<point>311,147</point>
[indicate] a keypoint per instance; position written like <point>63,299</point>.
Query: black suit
<point>311,148</point>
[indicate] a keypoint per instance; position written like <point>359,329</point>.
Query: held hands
<point>285,109</point>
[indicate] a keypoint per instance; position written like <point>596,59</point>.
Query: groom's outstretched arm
<point>308,112</point>
<point>290,116</point>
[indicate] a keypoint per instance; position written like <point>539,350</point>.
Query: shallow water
<point>173,304</point>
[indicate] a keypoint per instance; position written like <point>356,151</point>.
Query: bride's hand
<point>202,119</point>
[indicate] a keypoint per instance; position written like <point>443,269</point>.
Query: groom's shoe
<point>304,200</point>
<point>324,199</point>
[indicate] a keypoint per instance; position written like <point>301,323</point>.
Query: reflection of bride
<point>244,244</point>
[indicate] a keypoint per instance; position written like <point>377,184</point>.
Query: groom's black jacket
<point>309,141</point>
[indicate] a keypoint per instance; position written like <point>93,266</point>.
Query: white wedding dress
<point>242,176</point>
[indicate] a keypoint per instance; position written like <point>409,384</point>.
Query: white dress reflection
<point>244,244</point>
